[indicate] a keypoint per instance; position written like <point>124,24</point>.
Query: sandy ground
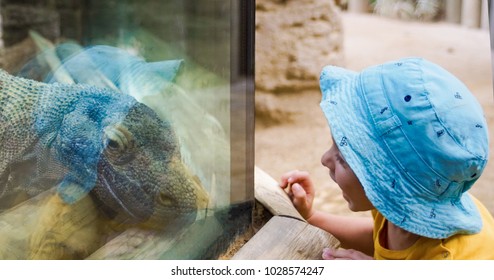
<point>370,40</point>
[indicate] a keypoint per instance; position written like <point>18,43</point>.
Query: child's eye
<point>340,160</point>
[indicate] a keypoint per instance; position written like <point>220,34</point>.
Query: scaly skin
<point>87,140</point>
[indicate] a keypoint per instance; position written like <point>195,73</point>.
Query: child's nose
<point>327,159</point>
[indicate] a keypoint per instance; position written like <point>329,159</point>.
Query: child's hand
<point>344,254</point>
<point>300,189</point>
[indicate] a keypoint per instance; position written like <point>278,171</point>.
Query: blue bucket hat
<point>416,139</point>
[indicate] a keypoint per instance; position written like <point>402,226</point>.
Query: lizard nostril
<point>165,199</point>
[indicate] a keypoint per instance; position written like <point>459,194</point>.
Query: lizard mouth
<point>149,203</point>
<point>121,198</point>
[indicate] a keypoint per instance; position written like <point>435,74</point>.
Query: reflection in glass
<point>116,133</point>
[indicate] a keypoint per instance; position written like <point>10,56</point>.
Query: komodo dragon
<point>86,140</point>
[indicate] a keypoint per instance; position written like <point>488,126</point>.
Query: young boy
<point>409,140</point>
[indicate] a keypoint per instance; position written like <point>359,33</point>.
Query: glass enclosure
<point>126,128</point>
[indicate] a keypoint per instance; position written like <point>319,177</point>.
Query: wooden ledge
<point>287,235</point>
<point>271,196</point>
<point>284,238</point>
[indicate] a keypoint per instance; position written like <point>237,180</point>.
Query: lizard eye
<point>112,144</point>
<point>118,138</point>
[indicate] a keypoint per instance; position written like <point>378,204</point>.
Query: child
<point>409,140</point>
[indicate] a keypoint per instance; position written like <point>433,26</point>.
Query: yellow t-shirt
<point>478,246</point>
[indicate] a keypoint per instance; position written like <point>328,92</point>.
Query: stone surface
<point>17,20</point>
<point>13,57</point>
<point>294,40</point>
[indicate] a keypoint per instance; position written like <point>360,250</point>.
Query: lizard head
<point>140,175</point>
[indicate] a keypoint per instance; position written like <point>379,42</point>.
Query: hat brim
<point>386,184</point>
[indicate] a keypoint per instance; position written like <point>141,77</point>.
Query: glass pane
<point>126,128</point>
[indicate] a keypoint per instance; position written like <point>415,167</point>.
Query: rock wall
<point>294,40</point>
<point>17,18</point>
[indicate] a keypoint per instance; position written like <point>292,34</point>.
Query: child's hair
<point>415,137</point>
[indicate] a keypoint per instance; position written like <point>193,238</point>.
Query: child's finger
<point>287,178</point>
<point>299,195</point>
<point>298,176</point>
<point>327,254</point>
<point>344,254</point>
<point>303,179</point>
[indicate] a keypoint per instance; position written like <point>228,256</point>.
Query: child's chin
<point>350,203</point>
<point>352,207</point>
<point>356,208</point>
